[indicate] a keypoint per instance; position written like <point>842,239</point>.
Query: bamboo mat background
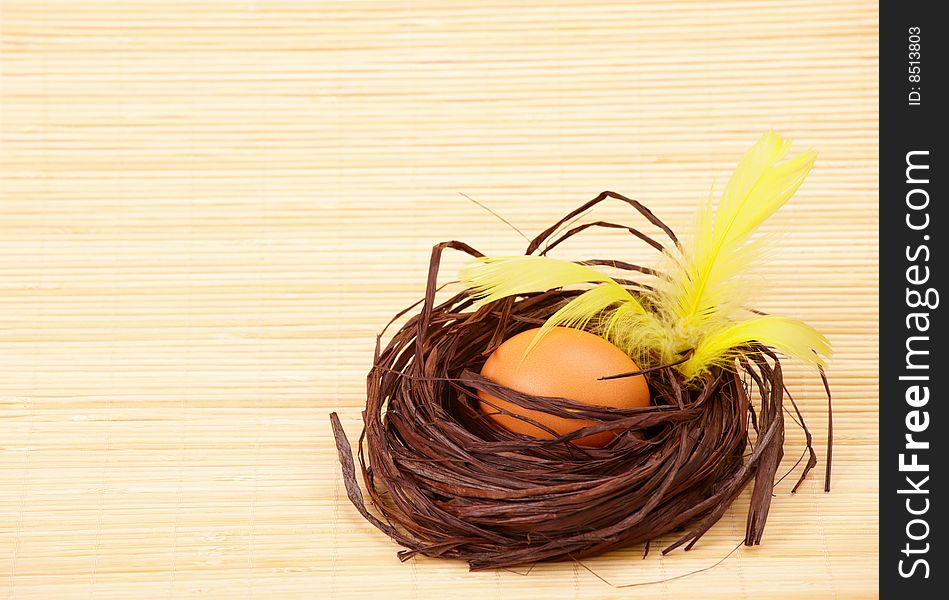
<point>208,209</point>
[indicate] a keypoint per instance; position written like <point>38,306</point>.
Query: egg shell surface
<point>565,363</point>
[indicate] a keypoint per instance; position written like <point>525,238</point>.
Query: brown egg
<point>565,363</point>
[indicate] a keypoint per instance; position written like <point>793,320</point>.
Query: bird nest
<point>445,481</point>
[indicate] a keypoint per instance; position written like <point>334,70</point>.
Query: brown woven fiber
<point>445,481</point>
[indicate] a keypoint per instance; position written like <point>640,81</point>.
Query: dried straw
<point>449,482</point>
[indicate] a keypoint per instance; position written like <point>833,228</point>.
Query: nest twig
<point>449,482</point>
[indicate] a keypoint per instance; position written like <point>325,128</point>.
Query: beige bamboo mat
<point>209,209</point>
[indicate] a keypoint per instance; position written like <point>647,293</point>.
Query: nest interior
<point>445,481</point>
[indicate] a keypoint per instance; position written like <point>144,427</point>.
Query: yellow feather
<point>491,278</point>
<point>581,310</point>
<point>702,293</point>
<point>789,336</point>
<point>641,336</point>
<point>700,279</point>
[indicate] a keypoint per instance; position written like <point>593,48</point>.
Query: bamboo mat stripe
<point>208,209</point>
